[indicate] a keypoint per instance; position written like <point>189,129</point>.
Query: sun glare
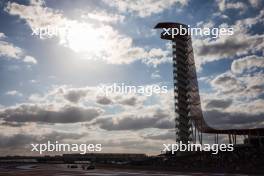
<point>84,38</point>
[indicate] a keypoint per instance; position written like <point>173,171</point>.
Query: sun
<point>84,38</point>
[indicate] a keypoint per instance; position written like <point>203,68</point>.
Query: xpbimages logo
<point>182,30</point>
<point>62,147</point>
<point>215,32</point>
<point>49,31</point>
<point>215,148</point>
<point>128,89</point>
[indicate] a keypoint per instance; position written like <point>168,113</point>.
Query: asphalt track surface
<point>62,170</point>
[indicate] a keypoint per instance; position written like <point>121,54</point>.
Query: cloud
<point>20,143</point>
<point>155,75</point>
<point>238,86</point>
<point>103,16</point>
<point>237,98</point>
<point>2,35</point>
<point>246,63</point>
<point>155,118</point>
<point>11,51</point>
<point>65,94</point>
<point>37,2</point>
<point>81,96</point>
<point>103,100</point>
<point>35,14</point>
<point>227,83</point>
<point>30,59</point>
<point>131,101</point>
<point>225,5</point>
<point>89,40</point>
<point>34,113</point>
<point>75,95</point>
<point>241,43</point>
<point>157,56</point>
<point>18,140</point>
<point>227,47</point>
<point>134,123</point>
<point>72,105</point>
<point>255,3</point>
<point>218,104</point>
<point>249,22</point>
<point>14,93</point>
<point>169,135</point>
<point>145,8</point>
<point>230,120</point>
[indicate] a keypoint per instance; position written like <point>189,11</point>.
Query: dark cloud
<point>247,63</point>
<point>33,113</point>
<point>228,120</point>
<point>227,83</point>
<point>20,140</point>
<point>75,96</point>
<point>170,135</point>
<point>103,100</point>
<point>257,89</point>
<point>228,48</point>
<point>225,79</point>
<point>136,122</point>
<point>132,101</point>
<point>239,86</point>
<point>219,104</point>
<point>12,124</point>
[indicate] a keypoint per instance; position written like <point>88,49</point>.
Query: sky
<point>49,85</point>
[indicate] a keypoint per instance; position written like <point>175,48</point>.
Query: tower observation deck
<point>189,121</point>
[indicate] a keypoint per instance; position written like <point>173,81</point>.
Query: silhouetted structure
<point>189,117</point>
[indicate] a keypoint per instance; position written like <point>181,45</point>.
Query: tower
<point>186,91</point>
<point>189,120</point>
